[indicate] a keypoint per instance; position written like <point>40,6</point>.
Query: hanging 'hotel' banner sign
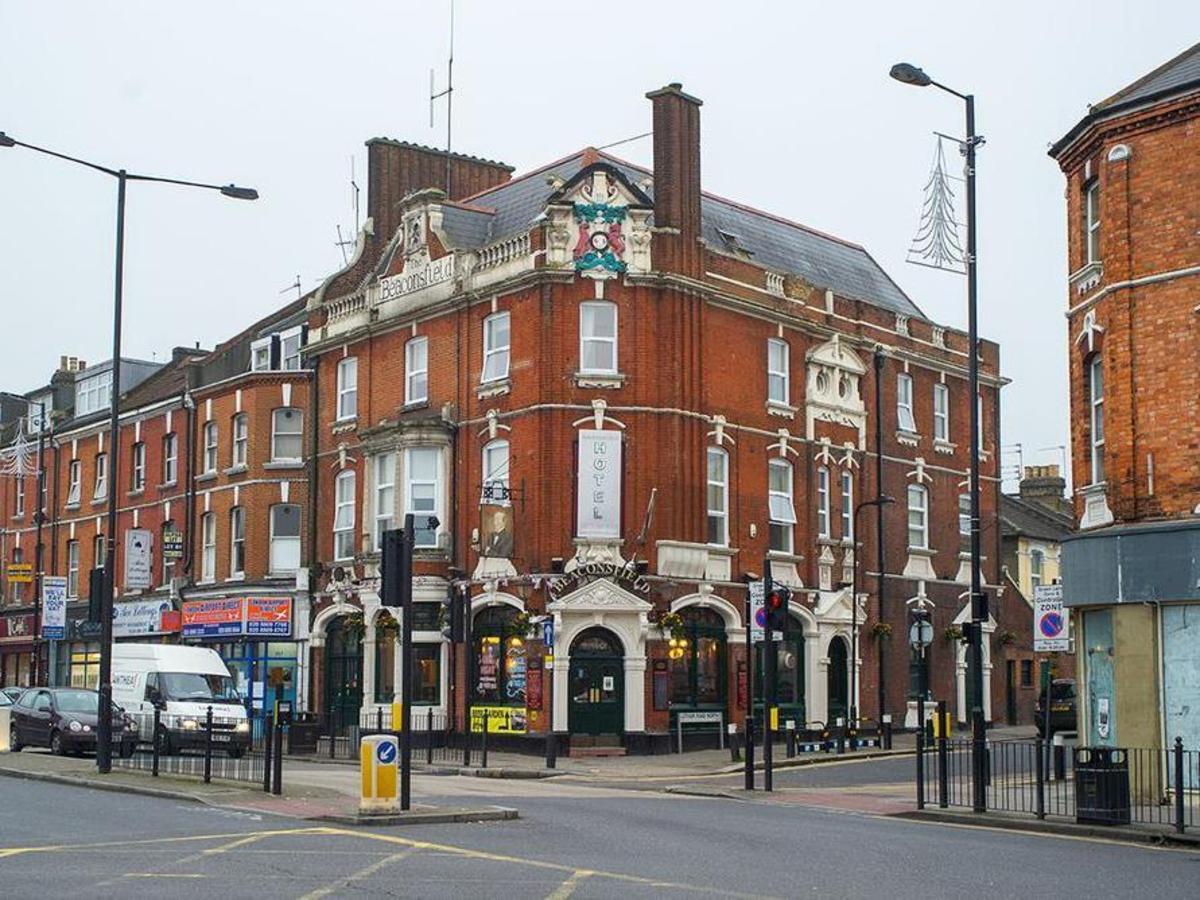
<point>599,487</point>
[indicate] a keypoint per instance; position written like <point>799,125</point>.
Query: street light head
<point>6,141</point>
<point>239,193</point>
<point>910,74</point>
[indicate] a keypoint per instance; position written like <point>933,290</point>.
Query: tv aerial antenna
<point>343,242</point>
<point>448,93</point>
<point>294,286</point>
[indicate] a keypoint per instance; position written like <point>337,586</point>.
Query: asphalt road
<point>58,841</point>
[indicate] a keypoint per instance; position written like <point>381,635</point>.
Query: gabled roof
<point>783,246</point>
<point>1027,518</point>
<point>1174,78</point>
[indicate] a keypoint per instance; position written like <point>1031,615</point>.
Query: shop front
<point>253,635</point>
<point>77,656</point>
<point>16,650</point>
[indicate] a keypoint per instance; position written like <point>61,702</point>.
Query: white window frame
<point>170,458</point>
<point>212,438</point>
<point>779,380</point>
<point>410,482</point>
<point>260,355</point>
<point>385,496</point>
<point>918,517</point>
<point>237,542</point>
<point>208,547</point>
<point>416,375</point>
<point>275,434</point>
<point>347,388</point>
<point>496,351</point>
<point>1037,564</point>
<point>496,474</point>
<point>344,487</point>
<point>720,484</point>
<point>276,547</point>
<point>72,569</point>
<point>138,456</point>
<point>99,552</point>
<point>847,505</point>
<point>19,491</point>
<point>964,516</point>
<point>781,505</point>
<point>240,427</point>
<point>1096,437</point>
<point>941,412</point>
<point>290,361</point>
<point>100,488</point>
<point>93,394</point>
<point>1091,222</point>
<point>823,502</point>
<point>905,418</point>
<point>598,339</point>
<point>74,481</point>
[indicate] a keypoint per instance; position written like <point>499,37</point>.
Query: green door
<point>597,684</point>
<point>343,674</point>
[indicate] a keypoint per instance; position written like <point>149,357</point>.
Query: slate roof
<point>775,243</point>
<point>1175,77</point>
<point>1027,518</point>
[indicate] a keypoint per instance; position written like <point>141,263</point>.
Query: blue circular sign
<point>386,752</point>
<point>760,617</point>
<point>1052,624</point>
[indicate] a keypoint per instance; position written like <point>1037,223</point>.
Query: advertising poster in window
<point>496,535</point>
<point>140,617</point>
<point>500,719</point>
<point>599,484</point>
<point>489,666</point>
<point>514,671</point>
<point>269,616</point>
<point>212,618</point>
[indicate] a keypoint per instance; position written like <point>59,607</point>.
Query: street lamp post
<point>104,714</point>
<point>910,74</point>
<point>880,501</point>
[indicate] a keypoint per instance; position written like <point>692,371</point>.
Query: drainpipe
<point>881,645</point>
<point>189,503</point>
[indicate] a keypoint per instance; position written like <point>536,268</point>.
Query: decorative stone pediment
<point>602,596</point>
<point>834,607</point>
<point>834,390</point>
<point>599,224</point>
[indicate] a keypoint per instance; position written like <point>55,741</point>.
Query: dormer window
<point>278,351</point>
<point>93,394</point>
<point>733,243</point>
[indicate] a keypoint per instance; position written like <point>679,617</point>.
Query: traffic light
<point>96,587</point>
<point>390,568</point>
<point>453,616</point>
<point>777,603</point>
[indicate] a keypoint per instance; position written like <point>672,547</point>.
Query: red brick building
<point>622,397</point>
<point>1132,166</point>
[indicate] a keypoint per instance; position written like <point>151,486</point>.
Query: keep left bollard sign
<point>379,755</point>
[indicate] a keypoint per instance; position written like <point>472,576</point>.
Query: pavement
<point>572,840</point>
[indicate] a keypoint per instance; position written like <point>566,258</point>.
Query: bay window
<point>422,467</point>
<point>385,496</point>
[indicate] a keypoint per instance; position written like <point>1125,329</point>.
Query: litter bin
<point>1101,785</point>
<point>302,733</point>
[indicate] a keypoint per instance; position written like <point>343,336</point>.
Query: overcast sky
<point>799,119</point>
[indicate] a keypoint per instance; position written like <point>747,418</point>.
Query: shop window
<point>343,515</point>
<point>416,371</point>
<point>499,658</point>
<point>170,459</point>
<point>781,507</point>
<point>347,388</point>
<point>285,538</point>
<point>241,440</point>
<point>717,496</point>
<point>495,347</point>
<point>287,426</point>
<point>138,467</point>
<point>210,447</point>
<point>84,666</point>
<point>598,337</point>
<point>696,656</point>
<point>778,376</point>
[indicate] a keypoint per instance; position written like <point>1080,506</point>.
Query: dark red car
<point>65,720</point>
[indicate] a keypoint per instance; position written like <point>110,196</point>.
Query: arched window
<point>696,656</point>
<point>498,662</point>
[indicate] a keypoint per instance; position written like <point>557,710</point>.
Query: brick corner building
<point>1133,212</point>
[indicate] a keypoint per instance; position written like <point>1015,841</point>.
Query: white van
<point>182,683</point>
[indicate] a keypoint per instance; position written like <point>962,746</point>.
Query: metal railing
<point>1155,787</point>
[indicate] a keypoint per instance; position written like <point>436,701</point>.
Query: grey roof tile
<point>1179,72</point>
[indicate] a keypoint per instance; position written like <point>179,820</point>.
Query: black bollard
<point>208,746</point>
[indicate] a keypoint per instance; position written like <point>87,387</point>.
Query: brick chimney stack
<point>396,169</point>
<point>676,244</point>
<point>1045,485</point>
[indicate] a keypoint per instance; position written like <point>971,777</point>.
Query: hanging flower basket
<point>670,624</point>
<point>952,634</point>
<point>881,630</point>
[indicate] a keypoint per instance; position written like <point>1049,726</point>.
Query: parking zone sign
<point>1050,619</point>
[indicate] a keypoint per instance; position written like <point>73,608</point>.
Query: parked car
<point>182,683</point>
<point>1063,707</point>
<point>13,693</point>
<point>4,700</point>
<point>65,720</point>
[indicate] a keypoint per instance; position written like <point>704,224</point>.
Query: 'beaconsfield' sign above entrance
<point>419,273</point>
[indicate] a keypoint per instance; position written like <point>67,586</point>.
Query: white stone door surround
<point>605,604</point>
